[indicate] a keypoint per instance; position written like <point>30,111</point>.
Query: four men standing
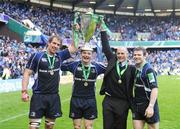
<point>124,86</point>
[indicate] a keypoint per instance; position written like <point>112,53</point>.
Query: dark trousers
<point>115,112</point>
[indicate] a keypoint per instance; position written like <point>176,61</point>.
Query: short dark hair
<point>141,49</point>
<point>54,36</point>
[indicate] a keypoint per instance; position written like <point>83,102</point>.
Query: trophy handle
<point>75,31</point>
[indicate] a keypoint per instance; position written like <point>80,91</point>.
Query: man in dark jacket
<point>117,86</point>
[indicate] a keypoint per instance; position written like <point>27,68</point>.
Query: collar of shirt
<point>141,67</point>
<point>122,64</point>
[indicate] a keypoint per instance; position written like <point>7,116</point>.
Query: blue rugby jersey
<point>79,89</point>
<point>145,82</point>
<point>45,82</point>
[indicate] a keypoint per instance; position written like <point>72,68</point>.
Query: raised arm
<point>105,45</point>
<point>73,48</point>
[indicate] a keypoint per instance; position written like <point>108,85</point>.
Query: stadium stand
<point>14,53</point>
<point>130,28</point>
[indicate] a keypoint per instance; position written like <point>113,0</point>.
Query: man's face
<point>138,57</point>
<point>53,46</point>
<point>121,54</point>
<point>86,56</point>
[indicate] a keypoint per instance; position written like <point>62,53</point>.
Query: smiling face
<point>139,56</point>
<point>122,54</point>
<point>86,57</point>
<point>53,45</point>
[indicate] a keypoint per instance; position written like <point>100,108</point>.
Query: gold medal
<point>51,72</point>
<point>119,81</point>
<point>85,84</point>
<point>119,71</point>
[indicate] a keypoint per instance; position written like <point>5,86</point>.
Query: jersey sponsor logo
<point>82,79</point>
<point>93,71</point>
<point>56,60</point>
<point>43,71</point>
<point>44,60</point>
<point>151,77</point>
<point>79,69</point>
<point>46,71</point>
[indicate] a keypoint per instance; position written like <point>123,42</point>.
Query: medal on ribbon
<point>120,72</point>
<point>51,63</point>
<point>86,73</point>
<point>119,81</point>
<point>85,83</point>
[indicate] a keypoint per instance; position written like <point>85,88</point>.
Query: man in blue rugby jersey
<point>145,93</point>
<point>83,101</point>
<point>45,100</point>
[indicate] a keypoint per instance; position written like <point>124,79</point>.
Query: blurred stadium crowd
<point>59,21</point>
<point>14,54</point>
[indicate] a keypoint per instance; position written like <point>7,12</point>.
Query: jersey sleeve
<point>64,54</point>
<point>100,68</point>
<point>32,62</point>
<point>151,78</point>
<point>70,66</point>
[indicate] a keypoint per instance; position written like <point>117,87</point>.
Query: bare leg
<point>88,124</point>
<point>138,124</point>
<point>77,123</point>
<point>153,126</point>
<point>49,123</point>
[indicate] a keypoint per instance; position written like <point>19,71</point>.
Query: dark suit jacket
<point>112,58</point>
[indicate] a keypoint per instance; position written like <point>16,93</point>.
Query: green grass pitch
<point>14,112</point>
